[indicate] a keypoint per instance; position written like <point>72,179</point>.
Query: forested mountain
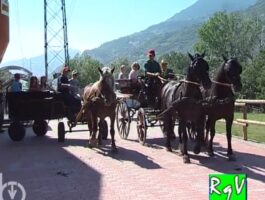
<point>178,33</point>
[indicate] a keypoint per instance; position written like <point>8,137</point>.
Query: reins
<point>223,84</point>
<point>191,82</point>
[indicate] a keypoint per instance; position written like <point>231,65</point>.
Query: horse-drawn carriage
<point>34,108</point>
<point>134,105</point>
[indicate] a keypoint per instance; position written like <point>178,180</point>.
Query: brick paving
<point>51,170</point>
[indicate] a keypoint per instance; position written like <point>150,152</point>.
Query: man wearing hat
<point>64,87</point>
<point>152,68</point>
<point>152,72</point>
<point>63,81</point>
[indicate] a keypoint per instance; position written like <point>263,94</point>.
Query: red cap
<point>151,52</point>
<point>66,69</point>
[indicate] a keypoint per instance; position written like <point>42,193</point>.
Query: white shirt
<point>133,75</point>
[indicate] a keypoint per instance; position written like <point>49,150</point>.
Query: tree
<point>231,35</point>
<point>178,62</point>
<point>87,68</point>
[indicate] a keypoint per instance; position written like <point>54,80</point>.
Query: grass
<point>255,133</point>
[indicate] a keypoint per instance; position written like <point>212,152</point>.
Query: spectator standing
<point>16,84</point>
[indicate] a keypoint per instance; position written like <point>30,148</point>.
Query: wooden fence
<point>244,122</point>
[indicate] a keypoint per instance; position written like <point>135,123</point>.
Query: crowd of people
<point>151,69</point>
<point>69,88</point>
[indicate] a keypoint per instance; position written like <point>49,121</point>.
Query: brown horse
<point>222,99</point>
<point>99,103</point>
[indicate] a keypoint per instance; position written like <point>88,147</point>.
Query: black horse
<point>189,88</point>
<point>222,99</point>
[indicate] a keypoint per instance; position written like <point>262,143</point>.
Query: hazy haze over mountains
<point>178,33</point>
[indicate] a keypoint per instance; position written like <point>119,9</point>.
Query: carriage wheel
<point>141,126</point>
<point>103,129</point>
<point>16,131</point>
<point>40,127</point>
<point>61,132</point>
<point>123,120</point>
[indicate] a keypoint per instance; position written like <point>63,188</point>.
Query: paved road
<point>51,170</point>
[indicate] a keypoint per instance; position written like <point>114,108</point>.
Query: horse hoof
<point>186,159</point>
<point>231,157</point>
<point>114,150</point>
<point>89,145</point>
<point>211,153</point>
<point>181,148</point>
<point>169,149</point>
<point>197,150</point>
<point>93,143</point>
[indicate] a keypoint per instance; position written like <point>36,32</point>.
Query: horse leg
<point>172,126</point>
<point>230,154</point>
<point>186,158</point>
<point>207,129</point>
<point>167,132</point>
<point>212,134</point>
<point>180,138</point>
<point>199,129</point>
<point>99,132</point>
<point>93,139</point>
<point>89,123</point>
<point>112,133</point>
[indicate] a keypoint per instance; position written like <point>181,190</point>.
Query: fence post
<point>245,128</point>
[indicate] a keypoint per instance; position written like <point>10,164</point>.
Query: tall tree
<point>177,61</point>
<point>87,68</point>
<point>231,35</point>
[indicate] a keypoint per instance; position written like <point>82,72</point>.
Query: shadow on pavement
<point>47,170</point>
<point>249,163</point>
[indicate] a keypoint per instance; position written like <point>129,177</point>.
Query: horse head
<point>232,70</point>
<point>107,85</point>
<point>198,70</point>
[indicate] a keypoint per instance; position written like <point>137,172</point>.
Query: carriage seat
<point>126,86</point>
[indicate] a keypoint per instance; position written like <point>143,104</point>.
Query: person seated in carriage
<point>122,74</point>
<point>133,76</point>
<point>166,72</point>
<point>75,85</point>
<point>73,104</point>
<point>34,85</point>
<point>153,83</point>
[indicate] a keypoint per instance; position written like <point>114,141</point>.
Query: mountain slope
<point>178,33</point>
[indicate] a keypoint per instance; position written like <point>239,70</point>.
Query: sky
<point>90,22</point>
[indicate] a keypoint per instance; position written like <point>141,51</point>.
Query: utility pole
<point>55,34</point>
